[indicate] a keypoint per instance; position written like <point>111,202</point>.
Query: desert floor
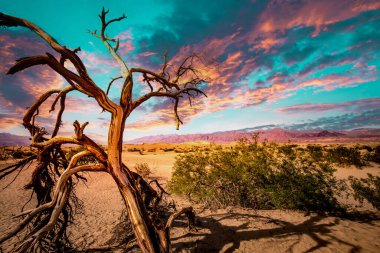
<point>223,230</point>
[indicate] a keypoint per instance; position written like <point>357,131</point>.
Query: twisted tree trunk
<point>138,215</point>
<point>48,221</point>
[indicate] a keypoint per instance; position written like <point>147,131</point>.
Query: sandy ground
<point>225,230</point>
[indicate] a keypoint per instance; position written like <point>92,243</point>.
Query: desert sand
<point>224,230</point>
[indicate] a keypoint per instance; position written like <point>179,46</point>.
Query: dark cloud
<point>341,122</point>
<point>357,106</point>
<point>21,88</point>
<point>188,23</point>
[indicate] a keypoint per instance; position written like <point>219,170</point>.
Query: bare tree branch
<point>113,80</point>
<point>106,41</point>
<point>51,179</point>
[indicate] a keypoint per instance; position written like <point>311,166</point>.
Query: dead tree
<point>53,178</point>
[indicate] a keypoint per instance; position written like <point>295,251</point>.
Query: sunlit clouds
<point>292,58</point>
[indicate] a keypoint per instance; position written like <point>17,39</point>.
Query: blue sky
<point>295,64</point>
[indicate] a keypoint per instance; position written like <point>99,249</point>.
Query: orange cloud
<point>9,122</point>
<point>358,106</point>
<point>282,15</point>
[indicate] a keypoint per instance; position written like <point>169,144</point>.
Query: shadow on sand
<point>214,236</point>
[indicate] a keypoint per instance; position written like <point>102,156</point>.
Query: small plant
<point>143,169</point>
<point>19,153</point>
<point>366,147</point>
<point>374,155</point>
<point>367,189</point>
<point>168,149</point>
<point>315,151</point>
<point>346,156</point>
<point>179,150</point>
<point>83,160</point>
<point>133,150</point>
<point>4,155</point>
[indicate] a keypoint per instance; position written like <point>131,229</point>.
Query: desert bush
<point>288,149</point>
<point>143,169</point>
<point>346,156</point>
<point>19,153</point>
<point>366,147</point>
<point>152,150</point>
<point>374,155</point>
<point>168,149</point>
<point>367,189</point>
<point>257,175</point>
<point>133,150</point>
<point>4,155</point>
<point>179,150</point>
<point>16,153</point>
<point>84,160</point>
<point>316,152</point>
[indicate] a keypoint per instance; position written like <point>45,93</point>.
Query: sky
<point>289,63</point>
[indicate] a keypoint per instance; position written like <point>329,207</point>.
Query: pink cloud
<point>282,15</point>
<point>357,106</point>
<point>95,61</point>
<point>9,122</point>
<point>126,48</point>
<point>22,89</point>
<point>146,54</point>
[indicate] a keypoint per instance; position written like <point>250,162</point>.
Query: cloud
<point>281,15</point>
<point>236,60</point>
<point>98,63</point>
<point>265,51</point>
<point>7,121</point>
<point>162,115</point>
<point>342,122</point>
<point>357,106</point>
<point>147,54</point>
<point>19,91</point>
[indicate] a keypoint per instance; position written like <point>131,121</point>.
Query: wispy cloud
<point>342,122</point>
<point>357,106</point>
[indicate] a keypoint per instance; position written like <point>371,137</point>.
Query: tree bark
<point>141,223</point>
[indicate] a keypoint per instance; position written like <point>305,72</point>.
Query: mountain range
<point>266,132</point>
<point>271,134</point>
<point>7,139</point>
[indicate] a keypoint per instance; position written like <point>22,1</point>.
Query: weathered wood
<point>141,200</point>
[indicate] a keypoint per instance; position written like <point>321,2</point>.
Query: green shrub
<point>4,155</point>
<point>346,156</point>
<point>367,189</point>
<point>84,160</point>
<point>256,175</point>
<point>288,149</point>
<point>133,150</point>
<point>143,169</point>
<point>366,147</point>
<point>316,152</point>
<point>168,149</point>
<point>18,153</point>
<point>179,150</point>
<point>374,155</point>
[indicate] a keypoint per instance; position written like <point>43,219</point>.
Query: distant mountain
<point>7,139</point>
<point>271,134</point>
